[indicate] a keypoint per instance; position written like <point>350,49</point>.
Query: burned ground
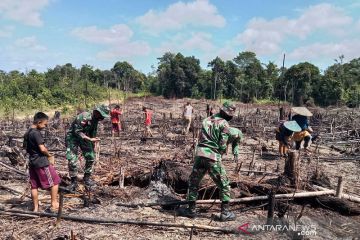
<point>156,170</point>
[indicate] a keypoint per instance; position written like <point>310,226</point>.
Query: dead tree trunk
<point>291,170</point>
<point>282,114</point>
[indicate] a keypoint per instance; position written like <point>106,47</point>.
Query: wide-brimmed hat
<point>103,110</point>
<point>303,111</point>
<point>292,126</point>
<point>235,133</point>
<point>229,108</point>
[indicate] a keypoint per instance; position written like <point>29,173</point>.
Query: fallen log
<point>260,172</point>
<point>349,197</point>
<point>119,221</point>
<point>236,200</point>
<point>336,204</point>
<point>13,169</point>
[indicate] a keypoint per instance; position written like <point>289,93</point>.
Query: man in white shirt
<point>187,114</point>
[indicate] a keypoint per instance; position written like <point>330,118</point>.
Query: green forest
<point>245,79</point>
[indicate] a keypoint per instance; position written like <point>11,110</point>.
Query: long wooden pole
<point>349,197</point>
<point>119,221</point>
<point>236,200</point>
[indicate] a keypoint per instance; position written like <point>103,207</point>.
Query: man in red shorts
<point>115,120</point>
<point>42,172</point>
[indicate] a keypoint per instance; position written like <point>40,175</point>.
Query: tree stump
<point>291,169</point>
<point>282,114</point>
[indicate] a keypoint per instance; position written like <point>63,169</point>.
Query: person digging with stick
<point>284,133</point>
<point>301,115</point>
<point>212,145</point>
<point>82,133</point>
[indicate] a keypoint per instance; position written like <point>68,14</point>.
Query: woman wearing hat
<point>301,117</point>
<point>284,133</point>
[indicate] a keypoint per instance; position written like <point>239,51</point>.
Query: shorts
<point>44,177</point>
<point>116,127</point>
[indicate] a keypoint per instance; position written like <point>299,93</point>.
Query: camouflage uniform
<point>234,138</point>
<point>82,125</point>
<point>215,135</point>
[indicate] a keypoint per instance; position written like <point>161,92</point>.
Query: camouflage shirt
<point>235,138</point>
<point>214,138</point>
<point>84,125</point>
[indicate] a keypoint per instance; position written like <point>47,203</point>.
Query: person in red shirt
<point>115,120</point>
<point>148,116</point>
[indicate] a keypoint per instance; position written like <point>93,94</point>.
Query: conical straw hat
<point>292,126</point>
<point>303,111</point>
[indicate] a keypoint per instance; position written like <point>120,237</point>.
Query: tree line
<point>245,78</point>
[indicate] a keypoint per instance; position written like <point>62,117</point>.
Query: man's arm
<point>44,150</point>
<point>224,136</point>
<point>79,125</point>
<point>40,142</point>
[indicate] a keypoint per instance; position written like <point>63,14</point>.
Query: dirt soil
<point>157,170</point>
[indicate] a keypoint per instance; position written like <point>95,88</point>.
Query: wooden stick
<point>253,171</point>
<point>340,187</point>
<point>121,177</point>
<point>349,197</point>
<point>236,200</point>
<point>59,214</point>
<point>271,206</point>
<point>13,169</point>
<point>120,221</point>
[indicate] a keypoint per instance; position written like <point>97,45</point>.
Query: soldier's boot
<point>73,184</point>
<point>226,214</point>
<point>87,181</point>
<point>188,212</point>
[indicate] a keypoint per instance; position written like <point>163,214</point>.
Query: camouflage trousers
<point>217,173</point>
<point>73,143</point>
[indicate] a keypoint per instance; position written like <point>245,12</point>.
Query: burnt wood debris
<point>141,181</point>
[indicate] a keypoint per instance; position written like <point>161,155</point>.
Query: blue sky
<point>38,34</point>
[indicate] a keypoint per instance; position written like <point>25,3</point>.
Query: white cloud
<point>180,14</point>
<point>265,36</point>
<point>6,31</point>
<point>24,11</point>
<point>226,53</point>
<point>27,53</point>
<point>200,41</point>
<point>318,51</point>
<point>115,34</point>
<point>183,42</point>
<point>29,43</point>
<point>117,38</point>
<point>127,49</point>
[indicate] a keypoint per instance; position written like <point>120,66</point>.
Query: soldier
<point>82,133</point>
<point>215,135</point>
<point>234,139</point>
